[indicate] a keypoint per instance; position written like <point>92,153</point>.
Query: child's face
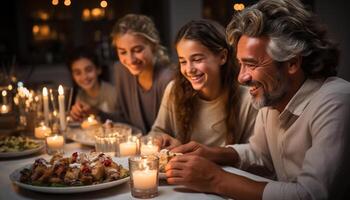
<point>200,66</point>
<point>135,53</point>
<point>85,73</point>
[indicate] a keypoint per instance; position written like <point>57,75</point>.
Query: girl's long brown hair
<point>211,35</point>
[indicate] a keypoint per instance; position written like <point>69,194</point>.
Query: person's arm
<point>328,129</point>
<point>201,175</point>
<point>164,125</point>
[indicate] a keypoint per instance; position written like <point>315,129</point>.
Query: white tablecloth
<point>11,191</point>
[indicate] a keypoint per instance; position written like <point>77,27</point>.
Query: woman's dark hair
<point>211,35</point>
<point>83,52</point>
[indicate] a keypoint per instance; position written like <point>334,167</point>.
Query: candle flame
<point>45,92</point>
<point>60,90</point>
<point>4,93</point>
<point>91,118</point>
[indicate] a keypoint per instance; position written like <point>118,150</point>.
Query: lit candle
<point>145,179</point>
<point>4,109</point>
<point>128,148</point>
<point>42,131</point>
<point>46,105</point>
<point>62,108</point>
<point>55,142</point>
<point>89,122</point>
<point>4,100</point>
<point>149,148</point>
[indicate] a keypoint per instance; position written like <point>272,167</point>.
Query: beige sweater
<point>209,127</point>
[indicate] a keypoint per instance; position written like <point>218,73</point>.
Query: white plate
<point>15,177</point>
<point>22,153</point>
<point>81,136</point>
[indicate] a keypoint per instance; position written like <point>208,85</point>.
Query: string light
<point>67,2</point>
<point>103,4</point>
<point>54,2</point>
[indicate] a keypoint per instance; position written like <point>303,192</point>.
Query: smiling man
<point>289,65</point>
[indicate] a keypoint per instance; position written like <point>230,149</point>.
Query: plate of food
<point>86,136</point>
<point>81,172</point>
<point>15,146</point>
<point>164,157</point>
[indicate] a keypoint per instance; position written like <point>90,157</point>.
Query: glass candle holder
<point>129,146</point>
<point>107,142</point>
<point>144,176</point>
<point>41,130</point>
<point>54,144</point>
<point>149,145</point>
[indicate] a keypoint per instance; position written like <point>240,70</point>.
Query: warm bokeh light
<point>238,6</point>
<point>103,4</point>
<point>86,14</point>
<point>54,2</point>
<point>36,29</point>
<point>45,30</point>
<point>96,12</point>
<point>67,2</point>
<point>4,93</point>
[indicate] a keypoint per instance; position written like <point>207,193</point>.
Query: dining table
<point>9,190</point>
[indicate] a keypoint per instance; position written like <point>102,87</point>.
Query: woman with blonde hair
<point>143,72</point>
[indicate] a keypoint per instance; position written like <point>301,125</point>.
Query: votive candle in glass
<point>144,176</point>
<point>55,144</point>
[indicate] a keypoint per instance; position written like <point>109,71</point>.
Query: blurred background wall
<point>37,35</point>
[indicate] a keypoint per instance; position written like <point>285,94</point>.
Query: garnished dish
<point>164,157</point>
<point>12,146</point>
<point>78,173</point>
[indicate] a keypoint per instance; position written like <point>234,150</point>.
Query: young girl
<point>143,73</point>
<point>94,96</point>
<point>204,102</point>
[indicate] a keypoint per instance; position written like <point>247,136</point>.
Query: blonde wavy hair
<point>143,26</point>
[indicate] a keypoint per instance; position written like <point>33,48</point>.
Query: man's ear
<point>223,56</point>
<point>294,65</point>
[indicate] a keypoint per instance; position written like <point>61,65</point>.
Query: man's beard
<point>271,98</point>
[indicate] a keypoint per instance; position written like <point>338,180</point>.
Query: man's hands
<point>219,155</point>
<point>194,172</point>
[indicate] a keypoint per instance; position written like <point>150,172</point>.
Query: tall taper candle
<point>46,106</point>
<point>62,109</point>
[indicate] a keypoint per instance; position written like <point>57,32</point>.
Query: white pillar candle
<point>149,149</point>
<point>127,148</point>
<point>4,94</point>
<point>46,105</point>
<point>62,108</point>
<point>55,142</point>
<point>4,109</point>
<point>144,179</point>
<point>42,131</point>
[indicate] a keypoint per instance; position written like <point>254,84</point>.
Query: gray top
<point>105,102</point>
<point>136,106</point>
<point>303,144</point>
